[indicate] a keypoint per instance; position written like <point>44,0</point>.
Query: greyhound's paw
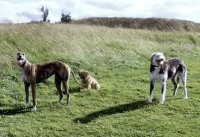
<point>61,97</point>
<point>27,105</point>
<point>34,109</point>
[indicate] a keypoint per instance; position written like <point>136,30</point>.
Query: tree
<point>65,18</point>
<point>45,12</point>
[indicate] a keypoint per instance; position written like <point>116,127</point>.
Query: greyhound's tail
<point>75,78</point>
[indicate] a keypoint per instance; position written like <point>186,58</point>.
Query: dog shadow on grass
<point>74,89</point>
<point>71,90</point>
<point>112,110</point>
<point>13,111</point>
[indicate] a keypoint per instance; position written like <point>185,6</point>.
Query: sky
<point>23,11</point>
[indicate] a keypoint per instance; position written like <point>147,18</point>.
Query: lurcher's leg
<point>163,91</point>
<point>176,84</point>
<point>184,79</point>
<point>152,83</point>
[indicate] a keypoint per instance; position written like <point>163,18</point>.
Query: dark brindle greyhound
<point>36,73</point>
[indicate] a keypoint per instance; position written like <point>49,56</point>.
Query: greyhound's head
<point>21,60</point>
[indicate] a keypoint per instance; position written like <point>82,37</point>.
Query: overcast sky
<point>22,11</point>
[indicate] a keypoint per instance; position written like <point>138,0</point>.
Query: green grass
<point>119,59</point>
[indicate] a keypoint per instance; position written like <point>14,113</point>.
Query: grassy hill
<point>160,24</point>
<point>119,59</point>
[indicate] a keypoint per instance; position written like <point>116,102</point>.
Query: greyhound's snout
<point>19,57</point>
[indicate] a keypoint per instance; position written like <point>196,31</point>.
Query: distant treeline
<point>160,24</point>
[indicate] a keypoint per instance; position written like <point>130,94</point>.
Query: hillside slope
<point>160,24</point>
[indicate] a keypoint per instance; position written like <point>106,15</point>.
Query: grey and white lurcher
<point>162,70</point>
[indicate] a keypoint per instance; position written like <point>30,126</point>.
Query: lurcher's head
<point>84,74</point>
<point>157,59</point>
<point>21,60</point>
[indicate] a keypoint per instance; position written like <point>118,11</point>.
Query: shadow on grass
<point>13,111</point>
<point>74,89</point>
<point>112,110</point>
<point>71,90</point>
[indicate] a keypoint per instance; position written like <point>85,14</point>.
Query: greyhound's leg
<point>58,86</point>
<point>66,87</point>
<point>27,86</point>
<point>33,89</point>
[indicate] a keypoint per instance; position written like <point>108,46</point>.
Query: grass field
<point>119,59</point>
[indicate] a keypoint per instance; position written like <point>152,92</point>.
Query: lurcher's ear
<point>152,56</point>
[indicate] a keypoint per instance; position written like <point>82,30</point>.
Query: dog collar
<point>154,65</point>
<point>23,64</point>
